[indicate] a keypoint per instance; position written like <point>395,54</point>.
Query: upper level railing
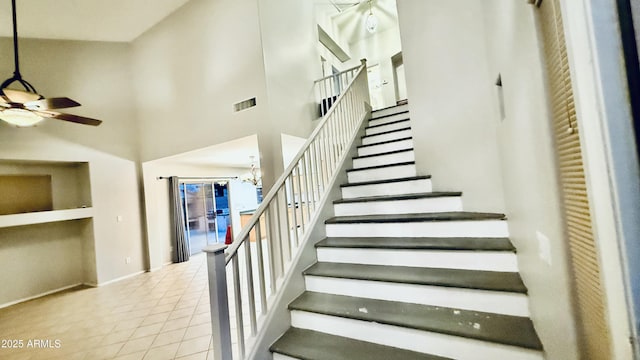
<point>329,88</point>
<point>262,251</point>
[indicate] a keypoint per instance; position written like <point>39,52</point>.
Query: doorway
<point>205,206</point>
<point>399,79</point>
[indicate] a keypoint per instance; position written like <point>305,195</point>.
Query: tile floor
<point>157,315</point>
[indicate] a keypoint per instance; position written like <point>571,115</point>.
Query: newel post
<point>219,302</point>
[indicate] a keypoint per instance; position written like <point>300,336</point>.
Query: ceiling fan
<point>26,107</point>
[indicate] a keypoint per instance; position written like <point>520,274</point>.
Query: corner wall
<point>98,76</point>
<point>454,127</point>
<point>527,154</point>
<point>453,52</point>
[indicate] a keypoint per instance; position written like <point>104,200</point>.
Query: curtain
<point>181,247</point>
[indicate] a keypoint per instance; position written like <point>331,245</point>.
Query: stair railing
<point>275,231</point>
<point>329,88</point>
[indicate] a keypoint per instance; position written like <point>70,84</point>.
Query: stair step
<point>386,146</point>
<point>391,110</point>
<point>382,172</point>
<point>399,204</point>
<point>468,279</point>
<point>462,253</point>
<point>387,136</point>
<point>387,126</point>
<point>397,186</point>
<point>497,328</point>
<point>389,157</point>
<point>502,261</point>
<point>468,244</point>
<point>388,119</point>
<point>314,345</point>
<point>399,197</point>
<point>438,224</point>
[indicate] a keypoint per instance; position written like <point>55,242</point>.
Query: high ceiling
<point>351,16</point>
<point>93,20</point>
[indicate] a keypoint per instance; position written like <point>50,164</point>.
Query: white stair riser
<point>385,173</point>
<point>443,259</point>
<point>498,302</point>
<point>277,356</point>
<point>386,137</point>
<point>394,158</point>
<point>484,228</point>
<point>391,110</point>
<point>388,119</point>
<point>383,148</point>
<point>399,188</point>
<point>454,347</point>
<point>387,127</point>
<point>409,206</point>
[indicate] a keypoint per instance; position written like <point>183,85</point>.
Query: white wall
<point>378,50</point>
<point>190,69</point>
<point>451,105</point>
<point>529,172</point>
<point>291,65</point>
<point>97,75</point>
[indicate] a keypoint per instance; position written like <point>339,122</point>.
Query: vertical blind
<point>593,327</point>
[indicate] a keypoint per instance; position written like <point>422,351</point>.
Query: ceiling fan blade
<point>51,103</point>
<point>19,96</point>
<point>75,119</point>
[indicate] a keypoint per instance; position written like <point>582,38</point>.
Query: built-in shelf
<point>42,217</point>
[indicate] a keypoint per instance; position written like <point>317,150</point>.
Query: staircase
<point>404,273</point>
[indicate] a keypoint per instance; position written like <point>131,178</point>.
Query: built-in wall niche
<point>43,191</point>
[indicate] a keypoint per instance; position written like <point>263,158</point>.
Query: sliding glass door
<point>206,223</point>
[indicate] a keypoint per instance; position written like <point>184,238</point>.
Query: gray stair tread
<point>422,217</point>
<point>387,132</point>
<point>386,142</point>
<point>374,117</point>
<point>468,279</point>
<point>313,345</point>
<point>389,123</point>
<point>469,244</point>
<point>387,181</point>
<point>382,166</point>
<point>497,328</point>
<point>399,197</point>
<point>383,153</point>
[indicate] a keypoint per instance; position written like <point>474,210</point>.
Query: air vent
<point>245,104</point>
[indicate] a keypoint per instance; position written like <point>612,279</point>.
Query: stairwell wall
<point>449,90</point>
<point>452,60</point>
<point>529,170</point>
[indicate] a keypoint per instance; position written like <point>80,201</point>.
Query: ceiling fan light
<point>20,117</point>
<point>371,23</point>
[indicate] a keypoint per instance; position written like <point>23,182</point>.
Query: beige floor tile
<point>196,356</point>
<point>169,337</point>
<point>104,352</point>
<point>155,318</point>
<point>136,345</point>
<point>200,319</point>
<point>165,352</point>
<point>133,356</point>
<point>118,336</point>
<point>176,324</point>
<point>179,313</point>
<point>194,346</point>
<point>144,331</point>
<point>197,331</point>
<point>128,324</point>
<point>162,309</point>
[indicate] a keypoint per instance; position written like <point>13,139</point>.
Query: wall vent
<point>245,104</point>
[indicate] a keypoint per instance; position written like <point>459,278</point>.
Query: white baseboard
<point>118,279</point>
<point>40,295</point>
